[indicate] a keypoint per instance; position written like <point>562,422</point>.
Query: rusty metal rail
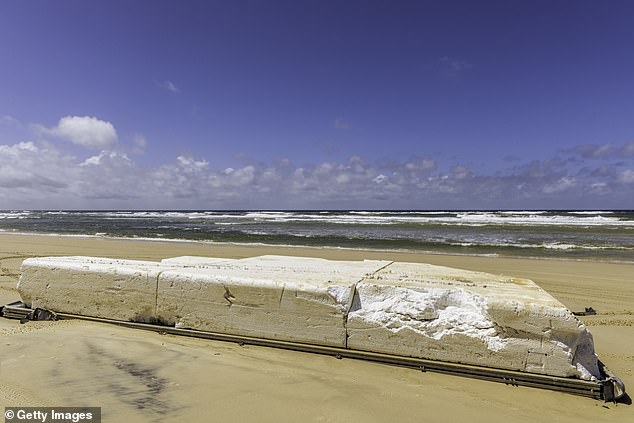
<point>609,388</point>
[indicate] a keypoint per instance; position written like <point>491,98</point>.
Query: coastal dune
<point>148,377</point>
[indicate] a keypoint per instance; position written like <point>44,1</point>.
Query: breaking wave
<point>575,233</point>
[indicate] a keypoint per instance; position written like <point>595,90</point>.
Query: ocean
<point>575,234</point>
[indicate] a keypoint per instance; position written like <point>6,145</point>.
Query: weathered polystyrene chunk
<point>91,286</point>
<point>285,298</point>
<point>468,317</point>
<point>405,309</point>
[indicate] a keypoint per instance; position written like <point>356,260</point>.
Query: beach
<point>137,376</point>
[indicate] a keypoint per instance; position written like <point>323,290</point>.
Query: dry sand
<point>137,376</point>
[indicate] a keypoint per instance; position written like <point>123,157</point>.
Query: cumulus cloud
<point>86,131</point>
<point>189,164</point>
<point>27,170</point>
<point>14,150</point>
<point>40,176</point>
<point>106,157</point>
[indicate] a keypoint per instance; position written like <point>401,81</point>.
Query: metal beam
<point>609,389</point>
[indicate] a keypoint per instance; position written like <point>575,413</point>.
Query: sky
<point>324,104</point>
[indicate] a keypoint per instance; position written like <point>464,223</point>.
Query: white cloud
<point>139,142</point>
<point>594,151</point>
<point>379,179</point>
<point>420,165</point>
<point>191,165</point>
<point>242,177</point>
<point>460,172</point>
<point>627,150</point>
<point>627,176</point>
<point>563,184</point>
<point>9,120</point>
<point>169,86</point>
<point>603,151</point>
<point>15,149</point>
<point>27,170</point>
<point>106,157</point>
<point>40,176</point>
<point>86,131</point>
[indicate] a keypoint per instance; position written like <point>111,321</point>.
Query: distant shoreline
<point>574,235</point>
<point>297,247</point>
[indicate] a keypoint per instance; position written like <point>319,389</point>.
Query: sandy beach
<point>138,377</point>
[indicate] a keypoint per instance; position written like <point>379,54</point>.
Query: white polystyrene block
<point>440,313</point>
<point>91,286</point>
<point>406,309</point>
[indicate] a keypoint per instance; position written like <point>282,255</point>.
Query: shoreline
<point>315,247</point>
<point>142,377</point>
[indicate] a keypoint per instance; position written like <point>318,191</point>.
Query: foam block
<point>406,309</point>
<point>285,298</point>
<point>91,286</point>
<point>447,314</point>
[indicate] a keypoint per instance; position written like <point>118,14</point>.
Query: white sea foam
<point>15,215</point>
<point>584,232</point>
<point>547,245</point>
<point>442,218</point>
<point>521,212</point>
<point>592,212</point>
<point>521,218</point>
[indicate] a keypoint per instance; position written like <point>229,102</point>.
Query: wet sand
<point>137,376</point>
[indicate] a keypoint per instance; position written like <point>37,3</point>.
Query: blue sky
<point>316,104</point>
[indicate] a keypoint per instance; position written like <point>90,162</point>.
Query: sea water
<point>581,234</point>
